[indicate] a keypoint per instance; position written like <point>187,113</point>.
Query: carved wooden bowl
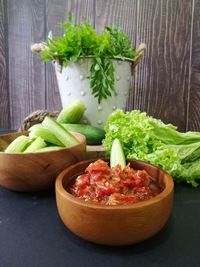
<point>114,225</point>
<point>27,172</point>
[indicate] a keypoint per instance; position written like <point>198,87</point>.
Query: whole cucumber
<point>93,135</point>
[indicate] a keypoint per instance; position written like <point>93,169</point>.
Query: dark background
<point>33,235</point>
<point>166,83</point>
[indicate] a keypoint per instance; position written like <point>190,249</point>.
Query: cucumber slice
<point>18,145</point>
<point>60,132</point>
<point>39,131</point>
<point>72,113</point>
<point>38,143</point>
<point>117,154</point>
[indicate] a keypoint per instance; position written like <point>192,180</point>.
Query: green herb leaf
<point>146,138</point>
<point>81,40</point>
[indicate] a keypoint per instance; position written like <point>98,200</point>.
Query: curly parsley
<point>81,40</point>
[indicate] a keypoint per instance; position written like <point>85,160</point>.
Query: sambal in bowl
<point>114,206</point>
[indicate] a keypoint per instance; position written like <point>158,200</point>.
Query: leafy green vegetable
<point>102,78</point>
<point>81,40</point>
<point>146,138</point>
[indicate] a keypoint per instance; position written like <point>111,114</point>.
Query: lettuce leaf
<point>146,138</point>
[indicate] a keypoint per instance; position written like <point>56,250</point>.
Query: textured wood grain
<point>26,172</point>
<point>26,72</point>
<point>81,9</point>
<point>164,85</point>
<point>162,80</point>
<point>4,93</point>
<point>194,96</point>
<point>116,11</point>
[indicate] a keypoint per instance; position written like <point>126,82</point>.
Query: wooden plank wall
<point>4,88</point>
<point>166,83</point>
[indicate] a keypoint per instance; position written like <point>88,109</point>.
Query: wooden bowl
<point>27,172</point>
<point>114,225</point>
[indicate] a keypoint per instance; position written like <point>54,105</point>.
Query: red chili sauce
<point>101,184</point>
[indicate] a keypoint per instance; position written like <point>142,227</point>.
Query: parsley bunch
<point>80,41</point>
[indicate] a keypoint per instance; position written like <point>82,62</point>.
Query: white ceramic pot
<point>73,84</point>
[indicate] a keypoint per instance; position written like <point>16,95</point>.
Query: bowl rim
<point>80,137</point>
<point>168,181</point>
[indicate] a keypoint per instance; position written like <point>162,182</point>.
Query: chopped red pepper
<point>114,186</point>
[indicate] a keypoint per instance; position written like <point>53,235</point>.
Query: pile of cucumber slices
<point>54,134</point>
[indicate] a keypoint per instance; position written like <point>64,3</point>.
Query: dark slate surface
<point>32,234</point>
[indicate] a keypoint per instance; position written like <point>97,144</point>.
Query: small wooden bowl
<point>28,172</point>
<point>114,225</point>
